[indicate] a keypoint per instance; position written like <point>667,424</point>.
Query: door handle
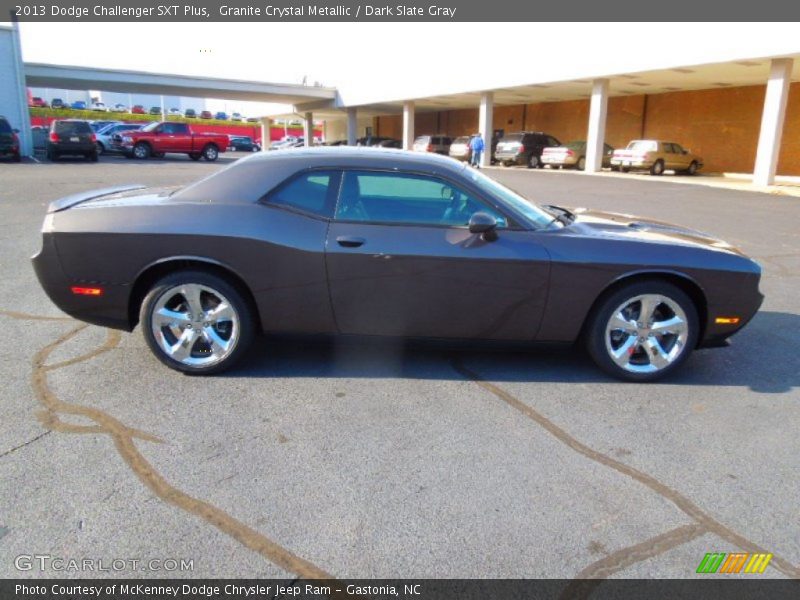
<point>350,241</point>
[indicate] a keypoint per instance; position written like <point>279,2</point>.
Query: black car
<point>190,113</point>
<point>155,110</point>
<point>58,103</point>
<point>523,148</point>
<point>243,143</point>
<point>9,142</point>
<point>390,243</point>
<point>71,137</point>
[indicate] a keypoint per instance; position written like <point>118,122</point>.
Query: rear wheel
<point>92,156</point>
<point>100,148</point>
<point>533,161</point>
<point>643,331</point>
<point>141,151</point>
<point>196,322</point>
<point>657,168</point>
<point>210,153</point>
<point>581,163</point>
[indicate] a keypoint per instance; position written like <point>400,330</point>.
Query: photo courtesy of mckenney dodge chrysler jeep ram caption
<point>393,243</point>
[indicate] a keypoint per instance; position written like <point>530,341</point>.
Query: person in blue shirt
<point>476,145</point>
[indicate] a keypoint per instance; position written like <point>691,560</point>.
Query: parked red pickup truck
<point>156,139</point>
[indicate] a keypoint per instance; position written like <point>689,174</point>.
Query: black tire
<point>210,153</point>
<point>159,155</point>
<point>692,170</point>
<point>16,158</point>
<point>595,332</point>
<point>658,168</point>
<point>581,164</point>
<point>625,169</point>
<point>142,151</point>
<point>243,310</point>
<point>195,155</point>
<point>100,148</point>
<point>533,161</point>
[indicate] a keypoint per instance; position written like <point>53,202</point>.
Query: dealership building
<point>737,105</point>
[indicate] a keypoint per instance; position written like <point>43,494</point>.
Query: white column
<point>486,126</point>
<point>352,126</point>
<point>408,124</point>
<point>163,110</point>
<point>308,129</point>
<point>22,118</point>
<point>598,109</point>
<point>266,126</point>
<point>769,140</point>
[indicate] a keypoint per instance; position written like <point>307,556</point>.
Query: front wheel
<point>643,331</point>
<point>692,170</point>
<point>141,151</point>
<point>196,322</point>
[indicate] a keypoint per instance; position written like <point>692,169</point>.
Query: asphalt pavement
<point>384,459</point>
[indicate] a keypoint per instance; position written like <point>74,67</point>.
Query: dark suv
<point>9,142</point>
<point>70,136</point>
<point>524,148</point>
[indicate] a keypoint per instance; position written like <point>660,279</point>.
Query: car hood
<point>598,223</point>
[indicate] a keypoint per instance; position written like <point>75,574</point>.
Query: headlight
<point>127,138</point>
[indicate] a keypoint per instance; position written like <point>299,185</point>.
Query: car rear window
<point>575,145</point>
<point>4,126</point>
<point>464,139</point>
<point>512,137</point>
<point>308,193</point>
<point>423,139</point>
<point>69,127</point>
<point>643,146</point>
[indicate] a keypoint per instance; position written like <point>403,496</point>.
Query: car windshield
<point>643,146</point>
<point>539,217</point>
<point>151,126</point>
<point>575,145</point>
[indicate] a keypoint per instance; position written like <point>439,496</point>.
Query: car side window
<point>309,192</point>
<point>378,197</point>
<point>677,149</point>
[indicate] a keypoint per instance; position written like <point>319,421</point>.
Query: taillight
<point>521,149</point>
<point>86,291</point>
<point>94,137</point>
<point>53,137</point>
<point>570,153</point>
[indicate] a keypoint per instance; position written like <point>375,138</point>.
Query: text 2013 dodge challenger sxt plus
<point>390,243</point>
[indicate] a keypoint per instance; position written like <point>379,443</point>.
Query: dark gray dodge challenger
<point>388,243</point>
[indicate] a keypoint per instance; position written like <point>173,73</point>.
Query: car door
<point>178,138</point>
<point>682,158</point>
<point>401,261</point>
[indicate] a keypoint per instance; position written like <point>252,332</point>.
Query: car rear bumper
<point>72,148</point>
<point>511,157</point>
<point>563,161</point>
<point>633,164</point>
<point>107,310</point>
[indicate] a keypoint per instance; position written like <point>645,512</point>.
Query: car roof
<point>248,179</point>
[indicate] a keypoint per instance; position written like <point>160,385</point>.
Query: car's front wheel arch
<point>680,280</point>
<point>158,270</point>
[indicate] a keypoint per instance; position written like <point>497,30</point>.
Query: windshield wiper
<point>560,213</point>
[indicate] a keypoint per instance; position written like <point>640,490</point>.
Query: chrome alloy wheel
<point>195,325</point>
<point>646,333</point>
